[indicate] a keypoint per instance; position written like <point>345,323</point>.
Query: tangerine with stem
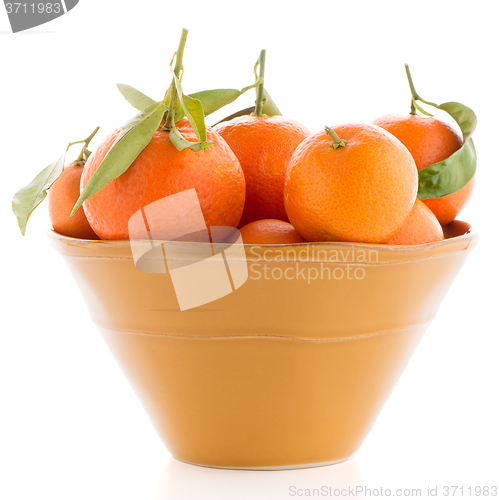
<point>353,183</point>
<point>264,145</point>
<point>169,163</point>
<point>429,141</point>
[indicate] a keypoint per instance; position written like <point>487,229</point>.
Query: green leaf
<point>180,143</point>
<point>421,110</point>
<point>193,110</point>
<point>30,196</point>
<point>134,136</point>
<point>135,97</point>
<point>243,112</point>
<point>269,107</point>
<point>453,173</point>
<point>450,175</point>
<point>213,100</point>
<point>463,116</point>
<point>179,113</point>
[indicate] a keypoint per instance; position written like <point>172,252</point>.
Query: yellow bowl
<point>289,370</point>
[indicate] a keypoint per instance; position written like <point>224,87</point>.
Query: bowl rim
<point>77,247</point>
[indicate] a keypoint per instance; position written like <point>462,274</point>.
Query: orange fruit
<point>161,170</point>
<point>420,227</point>
<point>263,145</point>
<point>62,197</point>
<point>430,140</point>
<point>269,231</point>
<point>360,192</point>
<point>447,207</point>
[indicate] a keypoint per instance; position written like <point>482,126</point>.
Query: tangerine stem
<point>337,142</point>
<point>179,63</point>
<point>413,107</point>
<point>415,95</point>
<point>259,89</point>
<point>81,157</point>
<point>411,83</point>
<point>91,136</point>
<point>172,108</point>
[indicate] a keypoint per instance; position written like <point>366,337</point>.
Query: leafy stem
<point>85,153</point>
<point>260,93</point>
<point>416,97</point>
<point>30,196</point>
<point>171,93</point>
<point>453,173</point>
<point>132,138</point>
<point>264,105</point>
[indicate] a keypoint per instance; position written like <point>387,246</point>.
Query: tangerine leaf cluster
<point>452,174</point>
<point>211,100</point>
<point>30,196</point>
<point>134,136</point>
<point>193,110</point>
<point>264,105</point>
<point>135,97</point>
<point>138,132</point>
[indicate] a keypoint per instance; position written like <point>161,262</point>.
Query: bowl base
<point>277,467</point>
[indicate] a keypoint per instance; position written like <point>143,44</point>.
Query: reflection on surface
<point>184,481</point>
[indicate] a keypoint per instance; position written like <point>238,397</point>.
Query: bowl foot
<point>277,467</point>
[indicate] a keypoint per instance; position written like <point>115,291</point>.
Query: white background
<point>70,426</point>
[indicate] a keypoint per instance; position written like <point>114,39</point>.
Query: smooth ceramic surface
<point>289,370</point>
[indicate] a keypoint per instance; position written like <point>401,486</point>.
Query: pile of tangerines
<point>398,180</point>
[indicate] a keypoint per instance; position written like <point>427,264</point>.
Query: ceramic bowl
<point>291,367</point>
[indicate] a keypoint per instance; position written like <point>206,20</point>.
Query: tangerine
<point>62,197</point>
<point>360,187</point>
<point>420,227</point>
<point>161,170</point>
<point>430,140</point>
<point>271,232</point>
<point>447,207</point>
<point>263,145</point>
